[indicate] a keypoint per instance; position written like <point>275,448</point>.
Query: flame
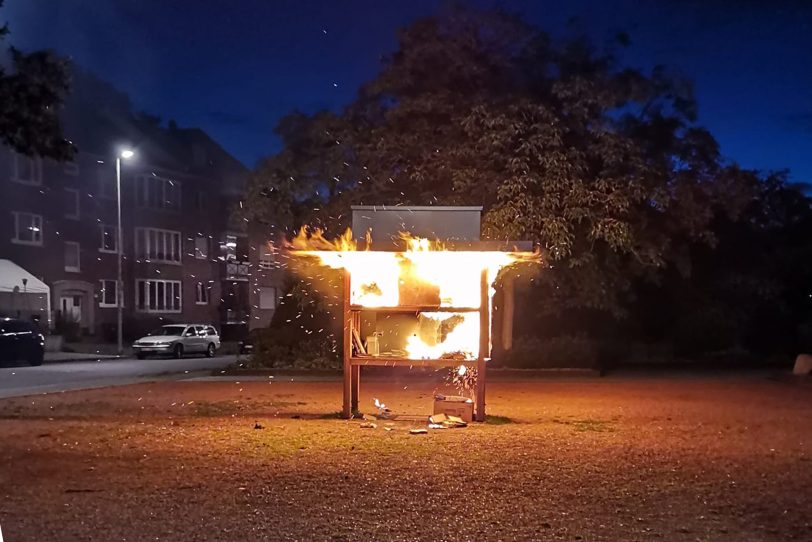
<point>425,275</point>
<point>316,241</point>
<point>459,339</point>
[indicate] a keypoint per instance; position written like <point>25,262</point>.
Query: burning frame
<point>426,303</point>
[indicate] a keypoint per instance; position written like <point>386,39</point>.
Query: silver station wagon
<point>177,340</point>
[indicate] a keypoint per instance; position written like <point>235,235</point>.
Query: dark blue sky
<point>234,71</point>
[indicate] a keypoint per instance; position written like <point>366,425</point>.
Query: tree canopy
<point>604,166</point>
<point>31,94</point>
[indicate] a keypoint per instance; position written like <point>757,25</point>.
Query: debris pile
<point>438,420</point>
<point>445,421</point>
<point>454,405</point>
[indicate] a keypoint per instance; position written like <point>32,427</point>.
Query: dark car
<point>21,341</point>
<point>246,345</point>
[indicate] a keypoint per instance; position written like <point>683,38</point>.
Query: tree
<point>752,292</point>
<point>603,167</point>
<point>31,94</point>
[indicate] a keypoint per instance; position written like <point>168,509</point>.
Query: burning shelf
<point>429,302</point>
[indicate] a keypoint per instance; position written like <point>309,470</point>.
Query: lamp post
<point>125,154</point>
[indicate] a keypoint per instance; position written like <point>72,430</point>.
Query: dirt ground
<point>687,458</point>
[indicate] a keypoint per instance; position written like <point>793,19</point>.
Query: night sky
<point>234,71</point>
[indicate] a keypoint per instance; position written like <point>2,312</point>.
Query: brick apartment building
<point>184,257</point>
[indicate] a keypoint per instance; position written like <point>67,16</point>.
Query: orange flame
<point>424,275</point>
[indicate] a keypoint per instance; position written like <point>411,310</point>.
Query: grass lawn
<point>686,458</point>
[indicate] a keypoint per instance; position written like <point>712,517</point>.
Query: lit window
<point>72,256</point>
<point>228,247</point>
<point>72,203</point>
<point>107,295</point>
<point>267,297</point>
<point>201,247</point>
<point>27,229</point>
<point>157,245</point>
<point>266,256</point>
<point>109,238</point>
<point>201,293</point>
<point>157,295</point>
<point>26,169</point>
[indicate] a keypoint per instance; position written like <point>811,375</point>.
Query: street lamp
<point>126,154</point>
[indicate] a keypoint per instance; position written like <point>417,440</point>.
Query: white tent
<point>22,293</point>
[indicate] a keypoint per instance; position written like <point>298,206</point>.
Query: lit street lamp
<point>125,154</point>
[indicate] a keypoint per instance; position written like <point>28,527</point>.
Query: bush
<point>278,348</point>
<point>705,331</point>
<point>805,337</point>
<point>650,353</point>
<point>68,327</point>
<point>564,351</point>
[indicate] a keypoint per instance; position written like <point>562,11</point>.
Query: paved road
<point>16,381</point>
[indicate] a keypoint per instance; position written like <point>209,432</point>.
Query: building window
<point>107,295</point>
<point>234,248</point>
<point>109,238</point>
<point>157,245</point>
<point>157,295</point>
<point>201,293</point>
<point>27,229</point>
<point>228,247</point>
<point>72,256</point>
<point>157,193</point>
<point>266,256</point>
<point>72,169</point>
<point>201,247</point>
<point>267,297</point>
<point>72,203</point>
<point>107,183</point>
<point>26,169</point>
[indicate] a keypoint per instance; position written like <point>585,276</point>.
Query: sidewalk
<point>62,357</point>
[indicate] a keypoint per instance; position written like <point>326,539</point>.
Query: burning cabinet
<point>416,302</point>
<point>440,336</point>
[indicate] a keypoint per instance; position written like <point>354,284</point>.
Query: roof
<point>440,222</point>
<point>98,119</point>
<point>11,280</point>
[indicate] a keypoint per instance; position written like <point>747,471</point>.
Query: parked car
<point>251,339</point>
<point>177,340</point>
<point>246,346</point>
<point>21,341</point>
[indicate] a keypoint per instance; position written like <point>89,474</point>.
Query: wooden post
<point>507,311</point>
<point>355,369</point>
<point>484,346</point>
<point>356,387</point>
<point>347,410</point>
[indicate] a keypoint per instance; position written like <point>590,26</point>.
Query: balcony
<point>235,315</point>
<point>236,270</point>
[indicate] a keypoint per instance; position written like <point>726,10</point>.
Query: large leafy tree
<point>604,167</point>
<point>751,292</point>
<point>31,94</point>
